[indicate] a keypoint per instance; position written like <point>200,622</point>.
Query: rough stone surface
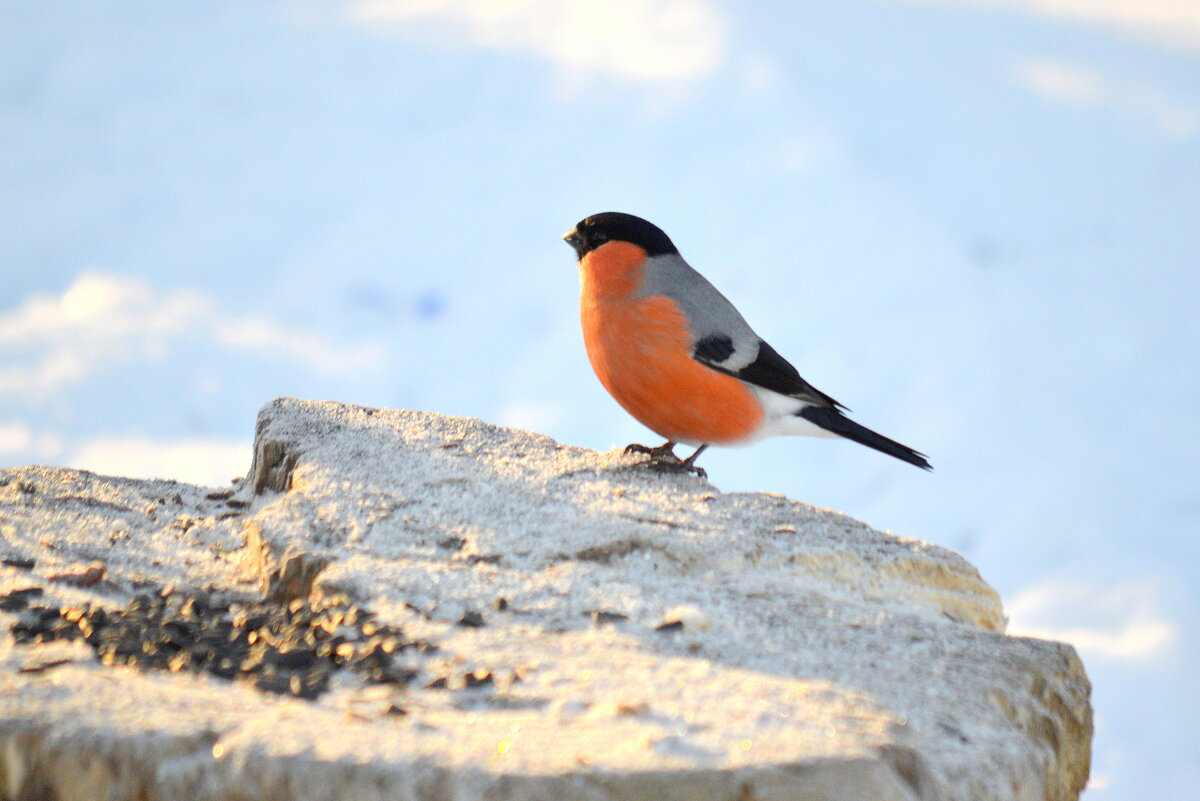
<point>602,632</point>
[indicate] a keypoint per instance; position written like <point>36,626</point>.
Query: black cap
<point>592,232</point>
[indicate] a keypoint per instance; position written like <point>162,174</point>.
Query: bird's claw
<point>663,460</point>
<point>664,451</point>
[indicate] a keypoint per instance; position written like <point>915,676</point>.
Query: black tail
<point>832,420</point>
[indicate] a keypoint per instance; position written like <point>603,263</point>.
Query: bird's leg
<point>689,464</point>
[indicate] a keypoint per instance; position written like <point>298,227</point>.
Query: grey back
<point>709,313</point>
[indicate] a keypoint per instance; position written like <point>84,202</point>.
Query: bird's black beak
<point>573,239</point>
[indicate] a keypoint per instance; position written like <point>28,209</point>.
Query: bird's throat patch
<point>614,268</point>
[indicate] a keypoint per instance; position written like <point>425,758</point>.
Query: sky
<point>974,223</point>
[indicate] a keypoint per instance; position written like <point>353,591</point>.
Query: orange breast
<point>641,352</point>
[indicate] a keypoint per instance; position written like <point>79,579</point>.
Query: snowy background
<point>976,223</point>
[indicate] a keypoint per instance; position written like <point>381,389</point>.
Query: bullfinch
<point>680,358</point>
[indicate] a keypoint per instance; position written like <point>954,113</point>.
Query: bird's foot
<point>665,451</point>
<point>663,459</point>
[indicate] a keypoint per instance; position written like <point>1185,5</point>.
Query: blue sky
<point>972,222</point>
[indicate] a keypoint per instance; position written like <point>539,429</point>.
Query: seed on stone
<point>272,683</point>
<point>291,650</point>
<point>224,667</point>
<point>291,660</point>
<point>396,674</point>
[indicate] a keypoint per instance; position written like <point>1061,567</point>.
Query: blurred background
<point>975,222</point>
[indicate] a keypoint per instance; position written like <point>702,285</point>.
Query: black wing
<point>769,370</point>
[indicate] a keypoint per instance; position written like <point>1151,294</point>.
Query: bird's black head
<point>613,226</point>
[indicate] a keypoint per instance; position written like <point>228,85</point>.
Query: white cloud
<point>1174,22</point>
<point>1083,87</point>
<point>198,460</point>
<point>648,40</point>
<point>20,439</point>
<point>268,337</point>
<point>1122,623</point>
<point>103,320</point>
<point>1065,81</point>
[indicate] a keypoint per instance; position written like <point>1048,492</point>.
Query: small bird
<point>680,358</point>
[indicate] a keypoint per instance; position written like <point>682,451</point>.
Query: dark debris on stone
<point>478,678</point>
<point>469,680</point>
<point>17,600</point>
<point>291,650</point>
<point>472,619</point>
<point>42,667</point>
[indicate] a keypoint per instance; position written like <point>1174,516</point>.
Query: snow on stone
<point>603,632</point>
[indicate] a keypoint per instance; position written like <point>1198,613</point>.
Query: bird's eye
<point>599,237</point>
